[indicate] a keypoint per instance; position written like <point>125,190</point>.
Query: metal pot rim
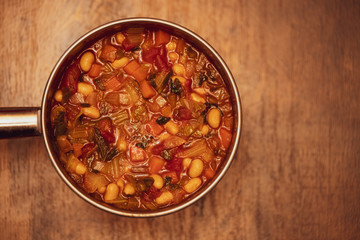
<point>231,84</point>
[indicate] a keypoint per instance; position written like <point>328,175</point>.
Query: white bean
<point>164,198</point>
<point>158,181</point>
<point>85,88</point>
<point>192,185</point>
<point>196,168</point>
<point>214,118</point>
<point>86,61</point>
<point>112,191</point>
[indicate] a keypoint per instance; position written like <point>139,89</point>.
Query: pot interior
<point>111,28</point>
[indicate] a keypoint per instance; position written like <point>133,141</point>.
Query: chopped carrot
<point>225,136</point>
<point>147,90</point>
<point>155,128</point>
<point>156,164</point>
<point>131,67</point>
<point>161,37</point>
<point>180,46</point>
<point>112,84</point>
<point>140,74</point>
<point>77,149</point>
<point>166,111</point>
<point>209,173</point>
<point>95,70</point>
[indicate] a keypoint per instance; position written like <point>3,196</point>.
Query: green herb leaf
<point>101,143</point>
<point>60,124</point>
<point>111,154</point>
<point>190,52</point>
<point>84,104</point>
<point>167,180</point>
<point>202,79</point>
<point>141,145</point>
<point>175,86</point>
<point>162,120</point>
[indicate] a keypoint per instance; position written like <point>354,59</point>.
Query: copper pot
<point>19,122</point>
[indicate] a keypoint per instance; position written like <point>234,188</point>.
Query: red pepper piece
<point>182,113</point>
<point>161,61</point>
<point>86,149</point>
<point>151,194</point>
<point>157,149</point>
<point>108,53</point>
<point>132,41</point>
<point>72,111</point>
<point>150,54</point>
<point>175,165</point>
<point>106,130</point>
<point>71,78</point>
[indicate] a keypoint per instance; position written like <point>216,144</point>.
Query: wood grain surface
<point>297,171</point>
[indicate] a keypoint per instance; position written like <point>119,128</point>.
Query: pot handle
<point>20,122</point>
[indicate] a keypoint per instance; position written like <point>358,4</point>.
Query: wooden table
<point>297,171</point>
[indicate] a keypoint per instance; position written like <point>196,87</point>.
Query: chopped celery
<point>197,149</point>
<point>112,98</point>
<point>161,80</point>
<point>119,118</point>
<point>79,132</point>
<point>101,143</point>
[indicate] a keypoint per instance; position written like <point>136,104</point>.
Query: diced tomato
<point>140,74</point>
<point>132,41</point>
<point>71,78</point>
<point>108,53</point>
<point>161,37</point>
<point>173,175</point>
<point>137,154</point>
<point>187,86</point>
<point>155,128</point>
<point>147,90</point>
<point>106,129</point>
<point>209,173</point>
<point>131,67</point>
<point>166,111</point>
<point>150,54</point>
<point>225,137</point>
<point>86,149</point>
<point>157,149</point>
<point>182,113</point>
<point>150,194</point>
<point>112,84</point>
<point>95,70</point>
<point>161,61</point>
<point>156,164</point>
<point>175,164</point>
<point>77,149</point>
<point>72,111</point>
